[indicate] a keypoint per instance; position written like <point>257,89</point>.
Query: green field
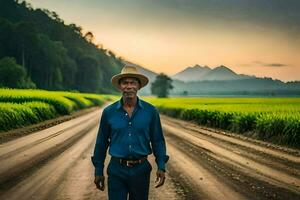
<point>270,119</point>
<point>19,108</point>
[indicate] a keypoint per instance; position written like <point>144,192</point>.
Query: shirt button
<point>129,146</point>
<point>129,123</point>
<point>126,114</point>
<point>129,134</point>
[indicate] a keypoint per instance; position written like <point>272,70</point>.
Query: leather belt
<point>129,163</point>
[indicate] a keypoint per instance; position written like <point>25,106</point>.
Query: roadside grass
<point>19,108</point>
<point>270,119</point>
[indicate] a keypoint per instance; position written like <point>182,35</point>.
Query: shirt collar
<point>120,103</point>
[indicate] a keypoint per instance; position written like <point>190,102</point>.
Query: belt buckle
<point>128,163</point>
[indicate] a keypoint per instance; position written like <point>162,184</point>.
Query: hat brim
<point>143,79</point>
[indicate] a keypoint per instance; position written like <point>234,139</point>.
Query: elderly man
<point>131,128</point>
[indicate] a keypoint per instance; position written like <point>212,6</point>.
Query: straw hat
<point>129,71</point>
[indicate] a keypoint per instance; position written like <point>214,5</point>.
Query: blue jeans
<point>126,181</point>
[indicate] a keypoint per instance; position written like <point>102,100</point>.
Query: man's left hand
<point>160,178</point>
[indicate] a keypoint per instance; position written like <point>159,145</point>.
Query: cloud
<point>270,64</point>
<point>275,65</point>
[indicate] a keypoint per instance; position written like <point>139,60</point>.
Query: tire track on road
<point>14,168</point>
<point>277,177</point>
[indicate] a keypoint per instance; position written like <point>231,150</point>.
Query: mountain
<point>221,73</point>
<point>191,73</point>
<point>150,74</point>
<point>198,73</point>
<point>220,81</point>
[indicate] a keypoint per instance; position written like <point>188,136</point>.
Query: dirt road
<point>55,164</point>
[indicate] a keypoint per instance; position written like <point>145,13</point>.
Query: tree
<point>48,63</point>
<point>161,85</point>
<point>54,55</point>
<point>88,75</point>
<point>89,37</point>
<point>13,75</point>
<point>25,42</point>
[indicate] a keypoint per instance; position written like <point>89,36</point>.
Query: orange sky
<point>164,36</point>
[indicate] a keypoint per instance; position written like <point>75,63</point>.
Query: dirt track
<point>55,164</point>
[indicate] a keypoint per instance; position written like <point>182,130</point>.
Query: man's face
<point>129,87</point>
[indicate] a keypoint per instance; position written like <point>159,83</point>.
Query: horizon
<point>221,66</point>
<point>258,38</point>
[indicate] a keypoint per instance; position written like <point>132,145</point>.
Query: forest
<point>39,50</point>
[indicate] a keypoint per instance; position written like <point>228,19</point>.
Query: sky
<point>253,37</point>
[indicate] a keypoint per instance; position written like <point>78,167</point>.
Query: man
<point>131,128</point>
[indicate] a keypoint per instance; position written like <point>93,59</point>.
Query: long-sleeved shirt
<point>129,137</point>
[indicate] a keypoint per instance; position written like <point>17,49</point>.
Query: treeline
<point>253,86</point>
<point>37,49</point>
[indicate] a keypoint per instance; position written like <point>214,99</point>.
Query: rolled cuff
<point>161,162</point>
<point>98,167</point>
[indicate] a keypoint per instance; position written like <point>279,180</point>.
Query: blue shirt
<point>129,137</point>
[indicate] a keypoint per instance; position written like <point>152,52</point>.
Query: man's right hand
<point>99,181</point>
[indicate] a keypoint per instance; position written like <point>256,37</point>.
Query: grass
<point>271,119</point>
<point>19,108</point>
